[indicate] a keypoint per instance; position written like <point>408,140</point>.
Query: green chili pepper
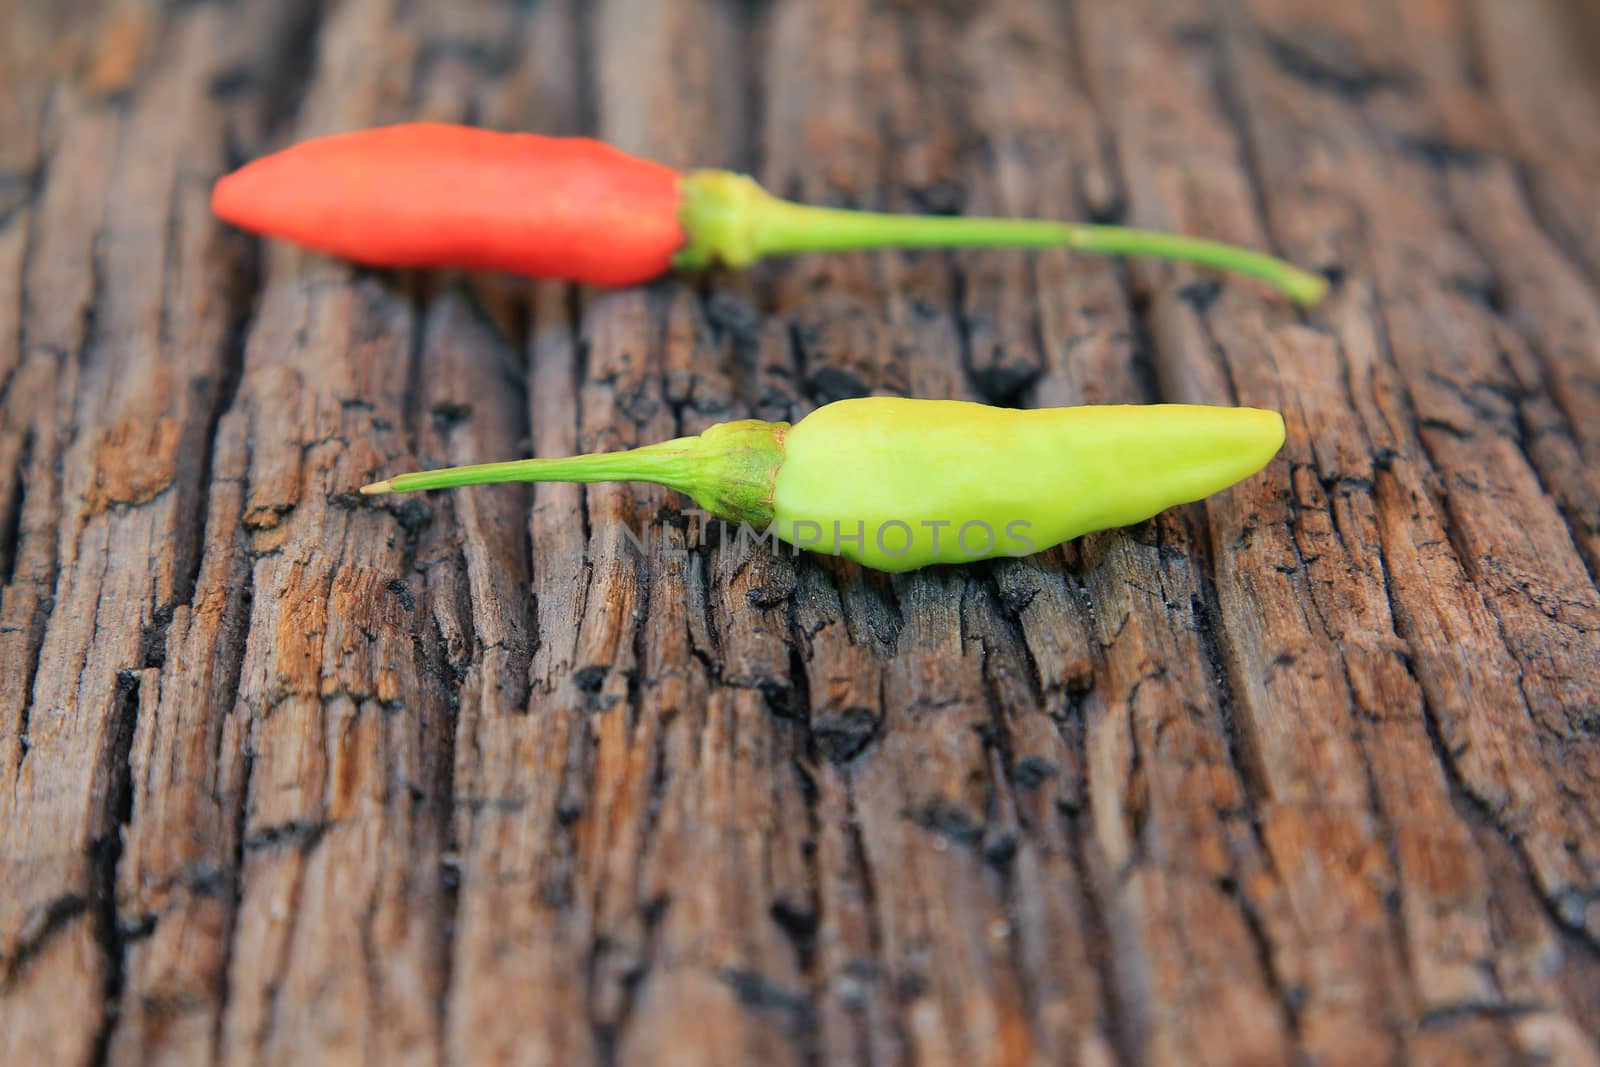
<point>899,484</point>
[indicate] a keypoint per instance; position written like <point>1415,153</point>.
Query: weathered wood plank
<point>555,775</point>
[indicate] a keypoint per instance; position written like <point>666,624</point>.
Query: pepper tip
<point>377,488</point>
<point>226,198</point>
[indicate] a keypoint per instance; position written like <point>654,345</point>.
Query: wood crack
<point>110,931</point>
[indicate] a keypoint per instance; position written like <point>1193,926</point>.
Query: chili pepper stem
<point>728,470</point>
<point>729,218</point>
<point>654,464</point>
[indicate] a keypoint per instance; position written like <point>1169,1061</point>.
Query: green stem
<point>669,463</point>
<point>731,219</point>
<point>729,469</point>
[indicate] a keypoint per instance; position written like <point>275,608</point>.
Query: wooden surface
<point>1309,773</point>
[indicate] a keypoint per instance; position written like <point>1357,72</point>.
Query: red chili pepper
<point>433,195</point>
<point>429,194</point>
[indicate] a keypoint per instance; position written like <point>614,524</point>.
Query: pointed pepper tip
<point>377,488</point>
<point>226,199</point>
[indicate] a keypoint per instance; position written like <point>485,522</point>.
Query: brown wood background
<point>1309,773</point>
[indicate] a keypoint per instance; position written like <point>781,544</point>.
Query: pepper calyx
<point>717,209</point>
<point>735,470</point>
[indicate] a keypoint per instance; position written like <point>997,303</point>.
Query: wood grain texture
<point>1309,772</point>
